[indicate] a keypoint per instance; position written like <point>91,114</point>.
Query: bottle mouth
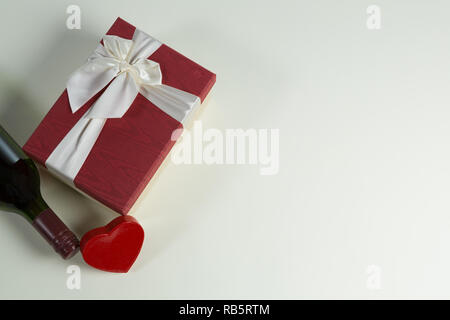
<point>57,234</point>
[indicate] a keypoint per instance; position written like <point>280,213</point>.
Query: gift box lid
<point>129,149</point>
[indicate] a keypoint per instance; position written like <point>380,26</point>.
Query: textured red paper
<point>129,150</point>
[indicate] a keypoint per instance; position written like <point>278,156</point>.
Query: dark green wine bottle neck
<point>34,208</point>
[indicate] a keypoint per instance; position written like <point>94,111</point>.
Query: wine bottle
<point>20,193</point>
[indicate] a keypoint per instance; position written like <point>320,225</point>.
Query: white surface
<point>364,151</point>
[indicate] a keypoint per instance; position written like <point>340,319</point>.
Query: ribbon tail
<point>117,98</point>
<point>176,103</point>
<point>89,79</point>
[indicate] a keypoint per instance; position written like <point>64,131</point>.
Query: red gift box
<point>129,149</point>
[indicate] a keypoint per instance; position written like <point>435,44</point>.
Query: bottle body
<point>20,193</point>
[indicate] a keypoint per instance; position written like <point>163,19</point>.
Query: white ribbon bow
<point>124,63</point>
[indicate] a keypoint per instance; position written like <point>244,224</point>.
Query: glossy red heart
<point>113,247</point>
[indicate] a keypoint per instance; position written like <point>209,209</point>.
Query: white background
<point>364,173</point>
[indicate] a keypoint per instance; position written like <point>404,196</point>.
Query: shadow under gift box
<point>130,149</point>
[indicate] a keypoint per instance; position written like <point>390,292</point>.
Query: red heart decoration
<point>113,247</point>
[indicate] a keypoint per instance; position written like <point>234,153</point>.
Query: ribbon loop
<point>117,47</point>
